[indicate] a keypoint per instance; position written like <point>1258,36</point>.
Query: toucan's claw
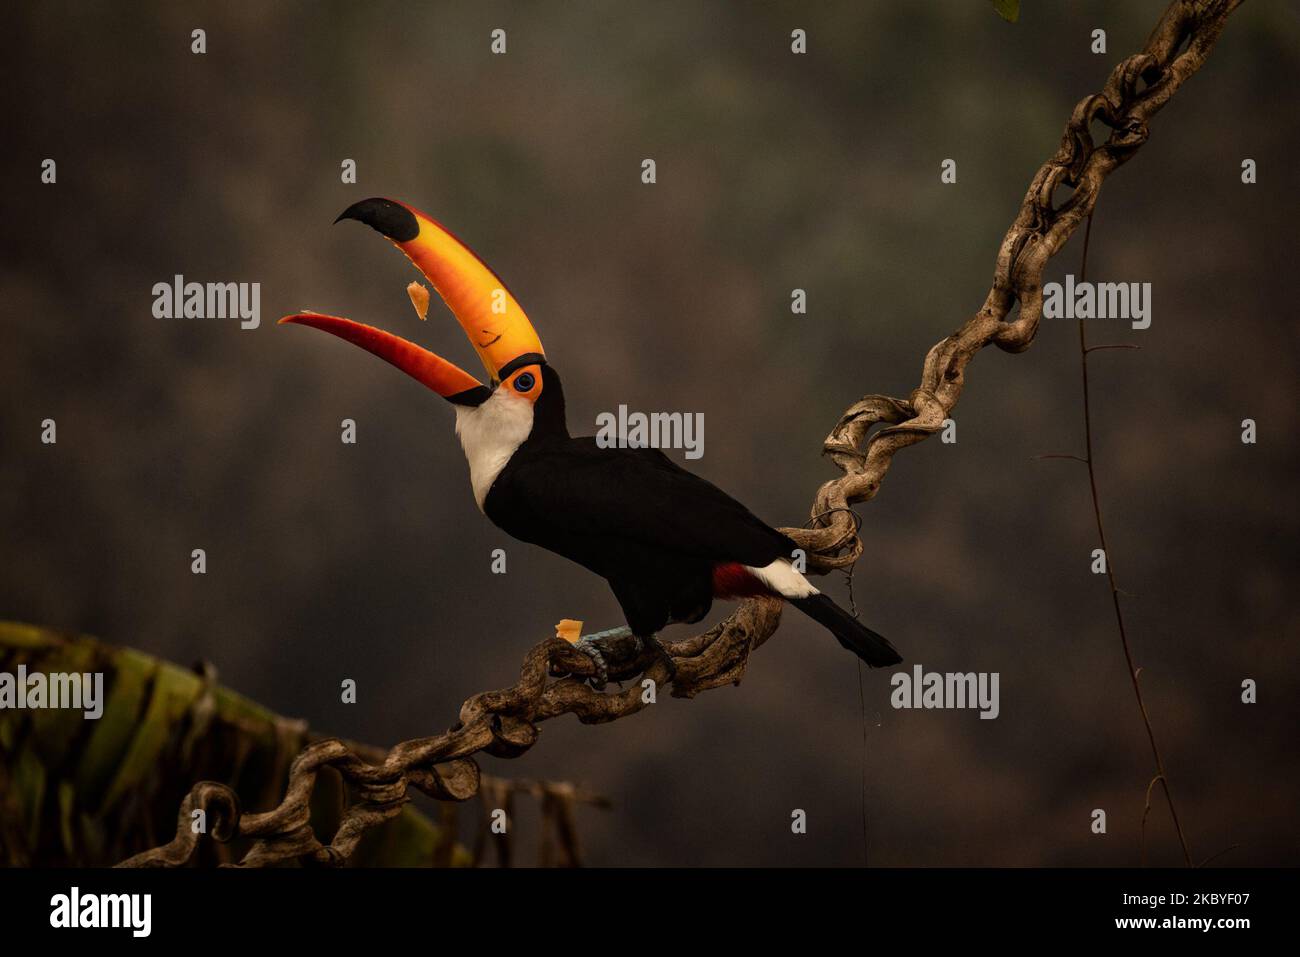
<point>589,646</point>
<point>612,641</point>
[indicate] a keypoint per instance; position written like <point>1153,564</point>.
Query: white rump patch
<point>781,577</point>
<point>490,433</point>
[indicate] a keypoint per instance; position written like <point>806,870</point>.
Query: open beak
<point>495,323</point>
<point>445,378</point>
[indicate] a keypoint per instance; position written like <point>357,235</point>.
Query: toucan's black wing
<point>573,488</point>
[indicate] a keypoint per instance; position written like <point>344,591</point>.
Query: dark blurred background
<point>328,561</point>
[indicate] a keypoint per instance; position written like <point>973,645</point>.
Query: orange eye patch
<point>526,382</point>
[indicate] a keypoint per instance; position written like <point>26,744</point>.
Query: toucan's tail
<point>852,634</point>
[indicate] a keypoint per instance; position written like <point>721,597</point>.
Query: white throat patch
<point>489,434</point>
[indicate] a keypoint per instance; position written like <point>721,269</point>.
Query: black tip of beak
<point>384,216</point>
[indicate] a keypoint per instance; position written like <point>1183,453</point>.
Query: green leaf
<point>83,792</point>
<point>1008,10</point>
<point>171,696</point>
<point>97,766</point>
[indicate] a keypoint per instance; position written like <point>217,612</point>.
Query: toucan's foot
<point>592,651</point>
<point>592,646</point>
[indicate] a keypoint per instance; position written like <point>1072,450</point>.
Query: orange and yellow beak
<point>445,378</point>
<point>497,326</point>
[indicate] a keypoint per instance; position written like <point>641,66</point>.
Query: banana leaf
<point>80,792</point>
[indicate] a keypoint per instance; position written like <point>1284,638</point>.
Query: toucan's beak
<point>445,378</point>
<point>497,326</point>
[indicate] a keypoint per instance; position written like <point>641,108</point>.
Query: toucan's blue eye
<point>524,382</point>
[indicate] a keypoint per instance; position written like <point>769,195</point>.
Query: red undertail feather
<point>733,580</point>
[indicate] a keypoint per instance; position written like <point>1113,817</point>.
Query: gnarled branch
<point>505,723</point>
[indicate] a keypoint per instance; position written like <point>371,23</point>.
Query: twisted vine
<point>552,680</point>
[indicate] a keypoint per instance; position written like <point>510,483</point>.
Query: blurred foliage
<point>92,792</point>
<point>1008,10</point>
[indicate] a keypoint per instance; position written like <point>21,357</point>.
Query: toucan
<point>667,541</point>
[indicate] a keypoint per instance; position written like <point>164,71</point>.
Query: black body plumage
<point>653,530</point>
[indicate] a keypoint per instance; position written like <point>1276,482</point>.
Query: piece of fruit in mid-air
<point>419,299</point>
